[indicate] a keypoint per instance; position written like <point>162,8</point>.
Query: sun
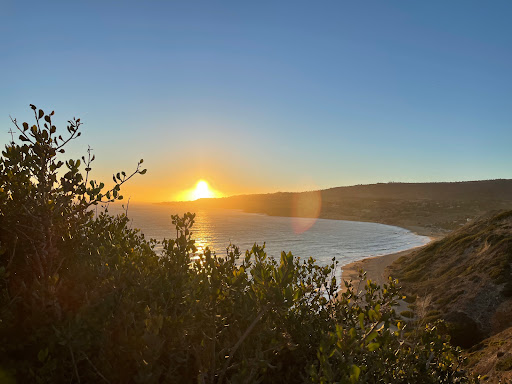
<point>202,190</point>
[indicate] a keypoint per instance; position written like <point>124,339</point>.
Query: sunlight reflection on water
<point>348,241</point>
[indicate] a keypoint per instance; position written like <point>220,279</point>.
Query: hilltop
<point>426,208</point>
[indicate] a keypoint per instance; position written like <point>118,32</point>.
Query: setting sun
<point>202,191</point>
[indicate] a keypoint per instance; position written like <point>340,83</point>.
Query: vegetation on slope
<point>467,278</point>
<point>86,299</point>
<point>492,358</point>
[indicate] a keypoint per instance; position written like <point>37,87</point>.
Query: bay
<point>322,239</point>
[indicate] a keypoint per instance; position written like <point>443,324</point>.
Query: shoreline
<point>376,266</point>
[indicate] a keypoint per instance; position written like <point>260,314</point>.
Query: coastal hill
<point>467,276</point>
<point>427,208</point>
<point>466,280</point>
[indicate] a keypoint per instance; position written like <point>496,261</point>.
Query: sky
<point>262,96</point>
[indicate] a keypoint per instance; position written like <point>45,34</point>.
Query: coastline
<point>376,266</point>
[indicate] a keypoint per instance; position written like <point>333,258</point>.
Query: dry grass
<point>467,272</point>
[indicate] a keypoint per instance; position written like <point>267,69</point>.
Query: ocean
<point>322,239</point>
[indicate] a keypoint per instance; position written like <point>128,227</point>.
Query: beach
<point>376,267</point>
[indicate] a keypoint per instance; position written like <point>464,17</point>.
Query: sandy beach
<point>376,267</point>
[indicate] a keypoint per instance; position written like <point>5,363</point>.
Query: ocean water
<point>321,239</point>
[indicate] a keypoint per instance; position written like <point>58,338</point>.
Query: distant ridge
<point>427,208</point>
<point>500,189</point>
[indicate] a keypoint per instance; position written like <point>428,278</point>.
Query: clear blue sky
<point>259,97</point>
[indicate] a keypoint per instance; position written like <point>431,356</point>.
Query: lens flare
<point>306,209</point>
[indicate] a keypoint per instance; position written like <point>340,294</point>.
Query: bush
<point>87,299</point>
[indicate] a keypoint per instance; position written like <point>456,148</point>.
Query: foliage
<point>44,205</point>
<point>109,307</point>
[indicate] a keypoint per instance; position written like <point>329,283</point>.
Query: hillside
<point>427,208</point>
<point>492,358</point>
<point>466,278</point>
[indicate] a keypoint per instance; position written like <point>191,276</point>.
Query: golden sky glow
<point>201,190</point>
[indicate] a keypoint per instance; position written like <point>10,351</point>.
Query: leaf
<point>143,171</point>
<point>373,346</point>
<point>33,107</point>
<point>372,336</point>
<point>41,113</point>
<point>361,320</point>
<point>25,126</point>
<point>355,371</point>
<point>47,119</point>
<point>43,353</point>
<point>23,138</point>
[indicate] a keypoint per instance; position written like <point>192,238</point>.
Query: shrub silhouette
<point>87,299</point>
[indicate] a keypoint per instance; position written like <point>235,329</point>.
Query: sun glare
<point>202,190</point>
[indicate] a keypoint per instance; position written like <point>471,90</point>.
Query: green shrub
<point>90,300</point>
